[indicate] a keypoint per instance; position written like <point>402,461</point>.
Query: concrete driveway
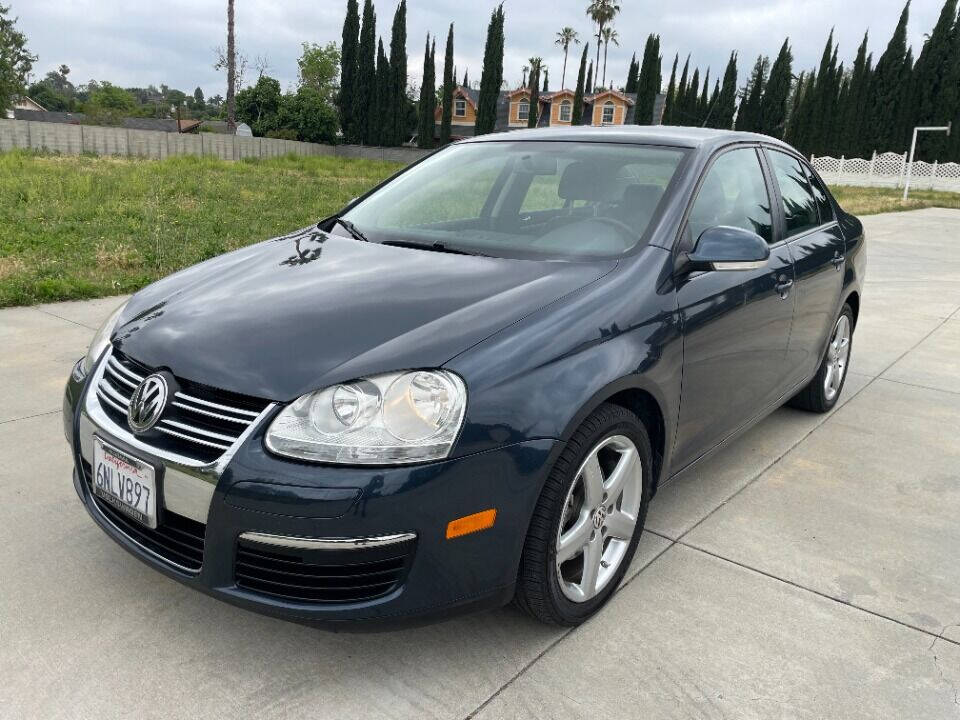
<point>812,569</point>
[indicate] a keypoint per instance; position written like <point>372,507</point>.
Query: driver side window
<point>733,193</point>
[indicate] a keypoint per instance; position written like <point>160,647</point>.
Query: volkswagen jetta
<point>466,387</point>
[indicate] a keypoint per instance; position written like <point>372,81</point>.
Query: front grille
<point>322,576</point>
<point>177,539</point>
<point>200,423</point>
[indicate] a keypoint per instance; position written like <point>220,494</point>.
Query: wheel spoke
<point>592,555</point>
<point>620,525</point>
<point>622,474</point>
<point>828,381</point>
<point>572,541</point>
<point>592,481</point>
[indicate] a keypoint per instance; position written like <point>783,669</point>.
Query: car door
<point>735,324</point>
<point>818,249</point>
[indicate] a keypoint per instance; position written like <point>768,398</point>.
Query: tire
<point>543,590</point>
<point>818,396</point>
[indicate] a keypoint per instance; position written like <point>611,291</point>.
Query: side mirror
<point>728,248</point>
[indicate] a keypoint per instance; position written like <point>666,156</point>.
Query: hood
<point>291,315</point>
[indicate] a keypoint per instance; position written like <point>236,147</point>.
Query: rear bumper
<point>256,492</point>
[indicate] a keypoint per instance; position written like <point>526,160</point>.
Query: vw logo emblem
<point>147,403</point>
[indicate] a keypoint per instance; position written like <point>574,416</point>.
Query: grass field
<point>80,227</point>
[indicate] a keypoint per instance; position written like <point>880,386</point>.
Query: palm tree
<point>523,83</point>
<point>602,12</point>
<point>565,38</point>
<point>610,35</point>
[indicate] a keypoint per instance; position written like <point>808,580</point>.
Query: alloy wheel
<point>599,518</point>
<point>838,353</point>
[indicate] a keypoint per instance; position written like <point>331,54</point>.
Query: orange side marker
<point>471,523</point>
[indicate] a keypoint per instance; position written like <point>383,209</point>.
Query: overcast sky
<point>171,41</point>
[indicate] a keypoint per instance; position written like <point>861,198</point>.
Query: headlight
<point>101,339</point>
<point>403,417</point>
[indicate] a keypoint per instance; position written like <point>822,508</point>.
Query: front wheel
<point>823,391</point>
<point>588,520</point>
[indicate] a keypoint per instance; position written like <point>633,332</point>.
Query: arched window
<point>607,118</point>
<point>566,111</point>
<point>523,110</point>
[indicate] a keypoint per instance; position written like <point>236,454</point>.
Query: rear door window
<point>799,205</point>
<point>824,207</point>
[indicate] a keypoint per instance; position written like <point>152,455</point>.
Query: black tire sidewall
<point>627,424</point>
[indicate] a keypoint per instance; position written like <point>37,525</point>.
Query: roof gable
<point>609,93</point>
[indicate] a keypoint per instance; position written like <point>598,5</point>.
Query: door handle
<point>783,287</point>
<point>837,260</point>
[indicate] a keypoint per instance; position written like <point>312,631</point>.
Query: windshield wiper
<point>352,229</point>
<point>435,246</point>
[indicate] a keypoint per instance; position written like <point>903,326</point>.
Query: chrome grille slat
<point>199,431</point>
<point>208,413</point>
<point>195,428</point>
<point>112,403</point>
<point>115,365</point>
<point>120,378</point>
<point>174,433</point>
<point>217,406</point>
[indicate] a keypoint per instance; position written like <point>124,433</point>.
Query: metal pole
<point>913,146</point>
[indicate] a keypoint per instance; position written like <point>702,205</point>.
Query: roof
<point>690,137</point>
<point>132,123</point>
<point>629,99</point>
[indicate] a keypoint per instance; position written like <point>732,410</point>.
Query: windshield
<point>523,199</point>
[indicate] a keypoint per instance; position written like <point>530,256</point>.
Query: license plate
<point>124,482</point>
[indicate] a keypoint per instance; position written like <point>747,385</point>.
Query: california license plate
<point>127,484</point>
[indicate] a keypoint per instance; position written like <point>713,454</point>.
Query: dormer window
<point>523,110</point>
<point>460,107</point>
<point>566,111</point>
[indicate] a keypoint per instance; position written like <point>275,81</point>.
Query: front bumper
<point>253,492</point>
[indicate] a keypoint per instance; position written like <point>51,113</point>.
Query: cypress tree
<point>492,76</point>
<point>709,119</point>
<point>951,98</point>
<point>669,107</point>
<point>534,112</point>
<point>820,117</point>
<point>748,119</point>
<point>588,89</point>
<point>466,82</point>
<point>773,109</point>
<point>648,81</point>
<point>852,115</point>
<point>428,96</point>
<point>546,80</point>
<point>398,77</point>
<point>930,74</point>
<point>905,116</point>
<point>383,109</point>
<point>727,100</point>
<point>446,119</point>
<point>704,100</point>
<point>576,116</point>
<point>680,106</point>
<point>348,66</point>
<point>364,123</point>
<point>691,105</point>
<point>631,86</point>
<point>802,110</point>
<point>885,90</point>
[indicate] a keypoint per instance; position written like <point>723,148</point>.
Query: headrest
<point>642,196</point>
<point>582,180</point>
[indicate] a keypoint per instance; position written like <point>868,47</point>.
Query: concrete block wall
<point>75,139</point>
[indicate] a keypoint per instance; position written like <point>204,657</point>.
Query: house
<point>607,107</point>
<point>23,103</point>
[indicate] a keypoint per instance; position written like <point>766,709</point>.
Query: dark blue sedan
<point>466,388</point>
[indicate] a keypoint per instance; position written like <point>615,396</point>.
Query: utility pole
<point>913,148</point>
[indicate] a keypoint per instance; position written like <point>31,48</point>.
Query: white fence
<point>76,139</point>
<point>888,170</point>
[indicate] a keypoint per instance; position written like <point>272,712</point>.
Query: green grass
<point>870,201</point>
<point>80,227</point>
